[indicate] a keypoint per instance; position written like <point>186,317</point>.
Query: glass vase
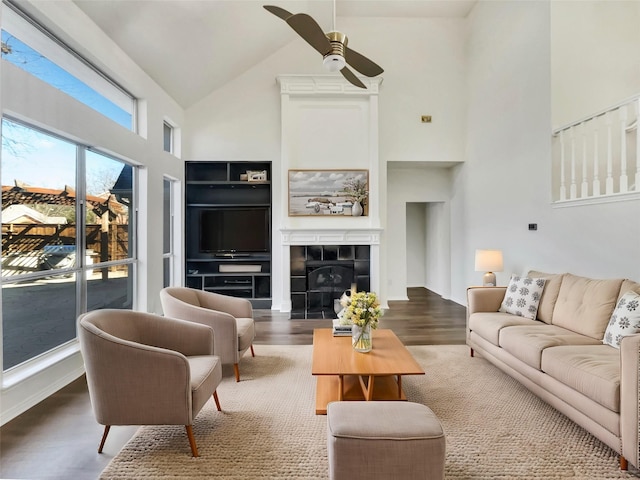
<point>361,338</point>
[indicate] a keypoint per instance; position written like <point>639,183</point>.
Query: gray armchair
<point>231,319</point>
<point>144,369</point>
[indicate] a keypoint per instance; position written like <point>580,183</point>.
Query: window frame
<point>81,268</point>
<point>171,255</point>
<point>171,135</point>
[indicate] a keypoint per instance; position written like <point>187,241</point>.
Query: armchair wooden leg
<point>237,370</point>
<point>104,437</point>
<point>192,441</point>
<point>253,354</point>
<point>624,464</point>
<point>471,352</point>
<point>215,397</point>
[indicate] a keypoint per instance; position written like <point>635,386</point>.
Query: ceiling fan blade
<point>278,12</point>
<point>310,31</point>
<point>351,77</point>
<point>362,63</point>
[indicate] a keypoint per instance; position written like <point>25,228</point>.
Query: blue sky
<point>42,160</point>
<point>31,61</point>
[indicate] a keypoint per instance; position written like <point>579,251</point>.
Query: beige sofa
<point>560,355</point>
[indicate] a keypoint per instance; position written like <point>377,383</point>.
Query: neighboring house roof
<point>25,214</point>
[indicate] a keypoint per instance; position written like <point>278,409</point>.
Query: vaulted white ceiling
<point>192,47</point>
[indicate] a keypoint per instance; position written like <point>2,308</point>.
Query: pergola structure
<point>23,245</point>
<point>27,195</point>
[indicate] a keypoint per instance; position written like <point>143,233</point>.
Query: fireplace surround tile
<point>317,301</point>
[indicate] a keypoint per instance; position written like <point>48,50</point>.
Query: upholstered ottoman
<point>384,440</point>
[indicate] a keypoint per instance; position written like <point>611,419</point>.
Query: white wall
<point>34,101</point>
<point>425,68</point>
<point>505,182</point>
<point>241,119</point>
<point>594,56</point>
<point>438,248</point>
<point>416,244</point>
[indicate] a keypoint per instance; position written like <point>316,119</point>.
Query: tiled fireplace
<point>321,273</point>
<point>318,265</point>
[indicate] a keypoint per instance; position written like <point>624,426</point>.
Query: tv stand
<point>223,184</point>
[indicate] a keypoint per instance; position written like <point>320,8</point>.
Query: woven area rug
<point>495,428</point>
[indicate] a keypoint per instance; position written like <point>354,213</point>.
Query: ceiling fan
<point>331,45</point>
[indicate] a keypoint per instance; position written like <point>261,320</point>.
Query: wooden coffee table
<point>344,374</point>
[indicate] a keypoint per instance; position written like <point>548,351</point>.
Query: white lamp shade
<point>489,261</point>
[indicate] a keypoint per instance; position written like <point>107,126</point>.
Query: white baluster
<point>624,180</point>
<point>584,188</point>
<point>573,189</point>
<point>637,182</point>
<point>596,178</point>
<point>563,188</point>
<point>609,180</point>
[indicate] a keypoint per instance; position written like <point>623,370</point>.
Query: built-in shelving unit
<point>228,229</point>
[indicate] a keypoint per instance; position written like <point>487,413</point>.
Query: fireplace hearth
<point>321,273</point>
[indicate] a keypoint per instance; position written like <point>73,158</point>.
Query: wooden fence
<point>36,247</point>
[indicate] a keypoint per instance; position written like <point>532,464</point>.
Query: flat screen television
<point>234,230</point>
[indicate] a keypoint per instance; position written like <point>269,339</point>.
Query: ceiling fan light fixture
<point>333,62</point>
<point>331,45</point>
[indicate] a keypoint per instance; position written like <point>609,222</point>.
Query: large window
<point>67,238</point>
<point>30,47</point>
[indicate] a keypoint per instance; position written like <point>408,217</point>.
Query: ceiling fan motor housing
<point>334,59</point>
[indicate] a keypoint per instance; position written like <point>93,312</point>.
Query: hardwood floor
<point>58,438</point>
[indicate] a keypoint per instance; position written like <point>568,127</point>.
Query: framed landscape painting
<point>328,192</point>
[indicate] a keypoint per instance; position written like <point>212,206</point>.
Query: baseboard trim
<point>21,396</point>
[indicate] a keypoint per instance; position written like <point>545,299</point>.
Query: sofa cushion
<point>593,370</point>
<point>522,296</point>
<point>585,305</point>
<point>488,324</point>
<point>625,319</point>
<point>526,343</point>
<point>628,286</point>
<point>549,294</point>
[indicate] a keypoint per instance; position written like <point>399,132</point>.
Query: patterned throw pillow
<point>625,320</point>
<point>523,296</point>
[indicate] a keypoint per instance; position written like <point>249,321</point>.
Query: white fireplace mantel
<point>333,236</point>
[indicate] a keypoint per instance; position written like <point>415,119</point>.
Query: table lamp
<point>489,261</point>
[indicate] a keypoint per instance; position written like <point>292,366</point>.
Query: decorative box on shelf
<point>257,175</point>
<point>235,268</point>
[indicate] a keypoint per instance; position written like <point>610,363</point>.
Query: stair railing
<point>607,144</point>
